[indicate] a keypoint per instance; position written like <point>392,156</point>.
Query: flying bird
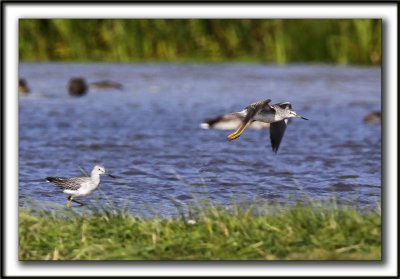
<point>277,115</point>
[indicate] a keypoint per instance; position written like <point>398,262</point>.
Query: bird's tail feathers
<point>53,179</point>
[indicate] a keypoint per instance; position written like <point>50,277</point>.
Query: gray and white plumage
<point>277,115</point>
<point>80,186</point>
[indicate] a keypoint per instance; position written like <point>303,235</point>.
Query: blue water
<point>148,134</point>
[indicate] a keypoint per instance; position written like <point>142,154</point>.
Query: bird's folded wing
<point>66,183</point>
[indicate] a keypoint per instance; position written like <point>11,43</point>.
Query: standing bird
<point>278,115</point>
<point>79,186</point>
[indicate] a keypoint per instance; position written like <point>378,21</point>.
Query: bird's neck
<point>95,177</point>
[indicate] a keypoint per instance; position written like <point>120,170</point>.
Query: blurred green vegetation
<point>309,231</point>
<point>339,41</point>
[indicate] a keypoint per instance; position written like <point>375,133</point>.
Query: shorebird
<point>23,88</point>
<point>77,86</point>
<point>79,186</point>
<point>373,117</point>
<point>106,84</point>
<point>277,115</point>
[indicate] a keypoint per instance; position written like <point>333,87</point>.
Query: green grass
<point>282,41</point>
<point>300,232</point>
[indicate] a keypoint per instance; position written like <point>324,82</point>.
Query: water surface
<point>148,134</point>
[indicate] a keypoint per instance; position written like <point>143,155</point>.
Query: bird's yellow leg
<point>239,130</point>
<point>69,202</point>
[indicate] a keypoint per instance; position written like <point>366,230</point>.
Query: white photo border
<point>13,11</point>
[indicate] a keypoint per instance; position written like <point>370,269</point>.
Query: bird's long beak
<point>112,176</point>
<point>299,116</point>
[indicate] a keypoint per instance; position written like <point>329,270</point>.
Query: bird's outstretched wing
<point>251,111</point>
<point>277,130</point>
<point>255,107</point>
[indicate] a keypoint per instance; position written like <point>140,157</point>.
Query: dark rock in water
<point>373,117</point>
<point>23,88</point>
<point>106,84</point>
<point>77,87</point>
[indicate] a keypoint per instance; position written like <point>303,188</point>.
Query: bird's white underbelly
<point>81,192</point>
<point>268,118</point>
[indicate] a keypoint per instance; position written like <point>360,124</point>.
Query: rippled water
<point>148,134</point>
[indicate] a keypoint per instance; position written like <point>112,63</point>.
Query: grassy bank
<point>342,41</point>
<point>301,232</point>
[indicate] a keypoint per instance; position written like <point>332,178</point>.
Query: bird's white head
<point>98,170</point>
<point>292,114</point>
